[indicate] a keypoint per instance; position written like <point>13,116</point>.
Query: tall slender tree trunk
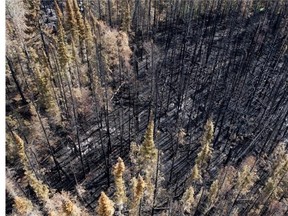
<point>24,101</point>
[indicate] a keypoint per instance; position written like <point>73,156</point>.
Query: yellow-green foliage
<point>22,205</point>
<point>64,204</point>
<point>125,14</point>
<point>79,20</point>
<point>105,206</point>
<point>68,207</point>
<point>283,167</point>
<point>195,174</point>
<point>148,150</point>
<point>208,133</point>
<point>138,187</point>
<point>21,150</point>
<point>246,179</point>
<point>71,21</point>
<point>41,190</point>
<point>206,142</point>
<point>11,149</point>
<point>148,160</point>
<point>213,192</point>
<point>144,157</point>
<point>280,161</point>
<point>62,47</point>
<point>118,171</point>
<point>45,89</point>
<point>88,38</point>
<point>39,57</point>
<point>187,200</point>
<point>204,155</point>
<point>74,54</point>
<point>271,189</point>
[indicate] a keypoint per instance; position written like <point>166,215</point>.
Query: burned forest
<point>146,107</point>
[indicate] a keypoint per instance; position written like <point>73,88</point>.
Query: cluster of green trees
<point>142,193</point>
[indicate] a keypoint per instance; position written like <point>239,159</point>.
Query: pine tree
<point>120,194</point>
<point>41,190</point>
<point>32,8</point>
<point>206,142</point>
<point>11,149</point>
<point>68,207</point>
<point>138,187</point>
<point>79,20</point>
<point>82,79</point>
<point>213,192</point>
<point>88,38</point>
<point>125,14</point>
<point>195,173</point>
<point>148,160</point>
<point>71,22</point>
<point>62,47</point>
<point>105,206</point>
<point>148,150</point>
<point>58,11</point>
<point>44,85</point>
<point>21,150</point>
<point>63,203</point>
<point>35,35</point>
<point>187,200</point>
<point>22,205</point>
<point>246,179</point>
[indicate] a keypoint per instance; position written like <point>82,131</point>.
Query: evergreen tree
<point>125,14</point>
<point>206,142</point>
<point>89,41</point>
<point>71,22</point>
<point>32,16</point>
<point>79,21</point>
<point>105,206</point>
<point>35,35</point>
<point>62,47</point>
<point>187,200</point>
<point>148,159</point>
<point>120,194</point>
<point>41,190</point>
<point>138,188</point>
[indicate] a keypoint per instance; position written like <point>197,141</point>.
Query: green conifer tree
<point>105,206</point>
<point>125,16</point>
<point>62,47</point>
<point>79,20</point>
<point>71,22</point>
